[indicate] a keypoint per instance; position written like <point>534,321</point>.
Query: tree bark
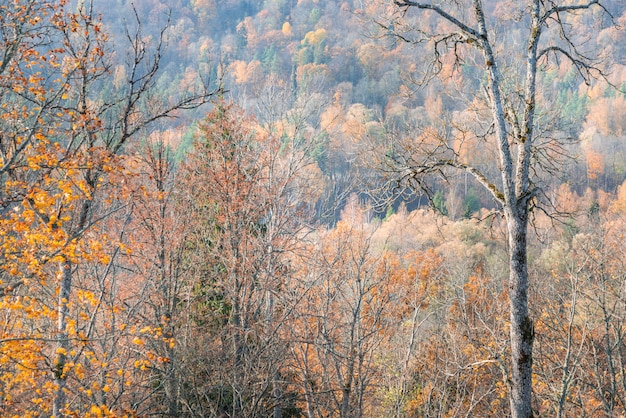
<point>521,327</point>
<point>65,287</point>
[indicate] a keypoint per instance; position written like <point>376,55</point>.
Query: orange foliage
<point>595,164</point>
<point>608,115</point>
<point>64,349</point>
<point>246,73</point>
<point>618,206</point>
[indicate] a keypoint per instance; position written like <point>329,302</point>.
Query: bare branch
<point>141,80</point>
<point>447,16</point>
<point>582,64</point>
<point>555,10</point>
<point>418,171</point>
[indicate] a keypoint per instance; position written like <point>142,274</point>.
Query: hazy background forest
<point>355,85</point>
<point>192,222</point>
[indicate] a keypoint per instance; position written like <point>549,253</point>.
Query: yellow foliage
<point>315,38</point>
<point>308,71</point>
<point>287,31</point>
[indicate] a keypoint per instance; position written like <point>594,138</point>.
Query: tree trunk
<point>521,328</point>
<point>345,400</point>
<point>238,347</point>
<point>58,403</point>
<point>171,382</point>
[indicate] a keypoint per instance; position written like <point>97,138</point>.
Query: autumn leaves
<point>62,184</point>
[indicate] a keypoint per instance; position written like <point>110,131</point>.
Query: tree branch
<point>447,16</point>
<point>571,8</point>
<point>582,63</point>
<point>416,172</point>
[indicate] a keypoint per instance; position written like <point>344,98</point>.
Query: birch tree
<point>508,116</point>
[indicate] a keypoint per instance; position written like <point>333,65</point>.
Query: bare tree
<point>511,124</point>
<point>343,318</point>
<point>110,127</point>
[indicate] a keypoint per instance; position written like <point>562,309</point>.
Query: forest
<point>312,208</point>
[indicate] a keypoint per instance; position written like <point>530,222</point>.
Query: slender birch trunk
<point>63,345</point>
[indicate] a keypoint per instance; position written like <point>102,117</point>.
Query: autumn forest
<point>312,208</point>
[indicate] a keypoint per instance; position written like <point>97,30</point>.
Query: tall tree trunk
<point>238,347</point>
<point>521,328</point>
<point>65,291</point>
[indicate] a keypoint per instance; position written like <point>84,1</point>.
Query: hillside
<point>300,208</point>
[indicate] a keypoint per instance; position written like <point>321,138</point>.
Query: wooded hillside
<point>204,210</point>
